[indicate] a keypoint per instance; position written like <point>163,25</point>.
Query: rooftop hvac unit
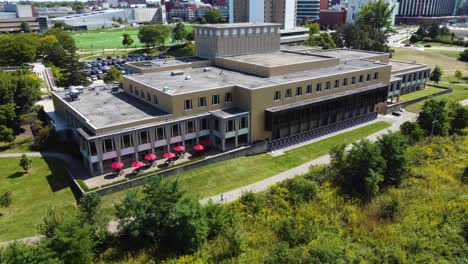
<point>165,88</point>
<point>174,73</point>
<point>188,77</point>
<point>206,69</point>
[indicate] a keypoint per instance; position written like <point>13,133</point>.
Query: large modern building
<point>239,89</point>
<point>270,11</point>
<point>429,8</point>
<point>307,10</point>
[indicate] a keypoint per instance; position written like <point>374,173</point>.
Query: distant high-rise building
<point>271,11</point>
<point>426,8</point>
<point>307,10</point>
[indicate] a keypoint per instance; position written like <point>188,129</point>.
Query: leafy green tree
<point>19,253</point>
<point>5,199</point>
<point>452,37</point>
<point>51,221</point>
<point>188,50</point>
<point>323,40</point>
<point>376,14</point>
<point>213,16</point>
<point>6,134</point>
<point>120,20</point>
<point>127,40</point>
<point>458,74</point>
<point>190,36</point>
<point>25,163</point>
<point>434,117</point>
<point>62,25</point>
<point>153,35</point>
<point>24,26</point>
<point>113,75</point>
<point>44,137</point>
<point>458,118</point>
<point>89,213</point>
<point>179,33</point>
<point>17,49</point>
<point>436,75</point>
<point>463,56</point>
<point>8,115</point>
<point>314,28</point>
<point>219,219</point>
<point>27,90</point>
<point>301,190</point>
<point>72,75</point>
<point>394,150</point>
<point>413,131</point>
<point>65,39</point>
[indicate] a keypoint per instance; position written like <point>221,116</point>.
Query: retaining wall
<point>397,106</point>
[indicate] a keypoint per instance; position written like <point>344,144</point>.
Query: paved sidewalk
<point>263,185</point>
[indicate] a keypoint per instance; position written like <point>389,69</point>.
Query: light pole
<point>433,123</point>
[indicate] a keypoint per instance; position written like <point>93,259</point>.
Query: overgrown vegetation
<point>433,32</point>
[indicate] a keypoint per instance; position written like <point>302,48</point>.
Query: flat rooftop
<point>111,108</point>
<point>401,66</point>
<point>237,25</point>
<point>165,62</point>
<point>216,77</point>
<point>347,54</point>
<point>277,58</point>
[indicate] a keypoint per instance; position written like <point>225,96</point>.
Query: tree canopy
<point>376,15</point>
<point>179,33</point>
<point>213,16</point>
<point>153,35</point>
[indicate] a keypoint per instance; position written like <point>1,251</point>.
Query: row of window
<point>235,31</point>
<point>414,76</point>
<point>318,86</point>
<point>202,102</point>
<point>150,98</point>
<point>230,124</point>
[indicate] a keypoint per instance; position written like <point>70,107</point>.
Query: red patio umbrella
<point>150,157</point>
<point>205,142</point>
<point>169,155</point>
<point>198,147</point>
<point>137,164</point>
<point>179,148</point>
<point>117,165</point>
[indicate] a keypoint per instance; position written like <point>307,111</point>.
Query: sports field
<point>109,38</point>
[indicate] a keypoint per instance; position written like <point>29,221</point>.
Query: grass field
<point>21,144</point>
<point>449,53</point>
<point>227,175</point>
<point>460,93</point>
<point>437,44</point>
<point>428,91</point>
<point>32,193</point>
<point>109,38</point>
<point>447,64</point>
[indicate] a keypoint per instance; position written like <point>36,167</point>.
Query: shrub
<point>5,199</point>
<point>295,231</point>
<point>389,209</point>
<point>301,190</point>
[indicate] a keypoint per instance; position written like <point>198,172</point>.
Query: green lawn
<point>449,53</point>
<point>459,93</point>
<point>32,193</point>
<point>437,44</point>
<point>428,91</point>
<point>20,145</point>
<point>227,175</point>
<point>109,38</point>
<point>446,63</point>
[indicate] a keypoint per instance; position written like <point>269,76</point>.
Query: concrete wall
<point>396,107</point>
<point>255,149</point>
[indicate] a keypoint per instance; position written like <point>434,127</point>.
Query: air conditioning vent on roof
<point>188,77</point>
<point>206,69</point>
<point>174,73</point>
<point>165,89</point>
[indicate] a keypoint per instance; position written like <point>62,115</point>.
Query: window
<point>361,78</point>
<point>127,141</point>
<point>368,77</point>
<point>376,75</point>
<point>215,99</point>
<point>188,104</point>
<point>277,96</point>
<point>309,89</point>
<point>190,127</point>
<point>345,81</point>
<point>409,77</point>
<point>144,138</point>
<point>425,74</point>
<point>319,87</point>
<point>391,87</point>
<point>204,124</point>
<point>299,91</point>
<point>175,130</point>
<point>403,80</point>
<point>419,75</point>
<point>136,92</point>
<point>142,94</point>
<point>131,88</point>
<point>160,135</point>
<point>148,96</point>
<point>327,86</point>
<point>353,80</point>
<point>155,99</point>
<point>216,124</point>
<point>243,122</point>
<point>202,101</point>
<point>92,149</point>
<point>288,93</point>
<point>337,84</point>
<point>398,87</point>
<point>107,145</point>
<point>230,126</point>
<point>228,97</point>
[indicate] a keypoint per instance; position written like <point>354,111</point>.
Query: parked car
<point>396,114</point>
<point>407,45</point>
<point>427,46</point>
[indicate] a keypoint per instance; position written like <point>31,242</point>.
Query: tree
<point>452,37</point>
<point>393,147</point>
<point>62,25</point>
<point>458,118</point>
<point>120,20</point>
<point>73,75</point>
<point>5,199</point>
<point>65,39</point>
<point>376,14</point>
<point>89,213</point>
<point>463,55</point>
<point>412,131</point>
<point>113,75</point>
<point>323,40</point>
<point>27,90</point>
<point>458,74</point>
<point>6,134</point>
<point>24,27</point>
<point>179,33</point>
<point>17,49</point>
<point>434,117</point>
<point>153,34</point>
<point>213,16</point>
<point>127,40</point>
<point>25,163</point>
<point>51,221</point>
<point>436,75</point>
<point>190,36</point>
<point>188,50</point>
<point>314,28</point>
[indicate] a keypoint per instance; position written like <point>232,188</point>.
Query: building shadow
<point>58,179</point>
<point>17,174</point>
